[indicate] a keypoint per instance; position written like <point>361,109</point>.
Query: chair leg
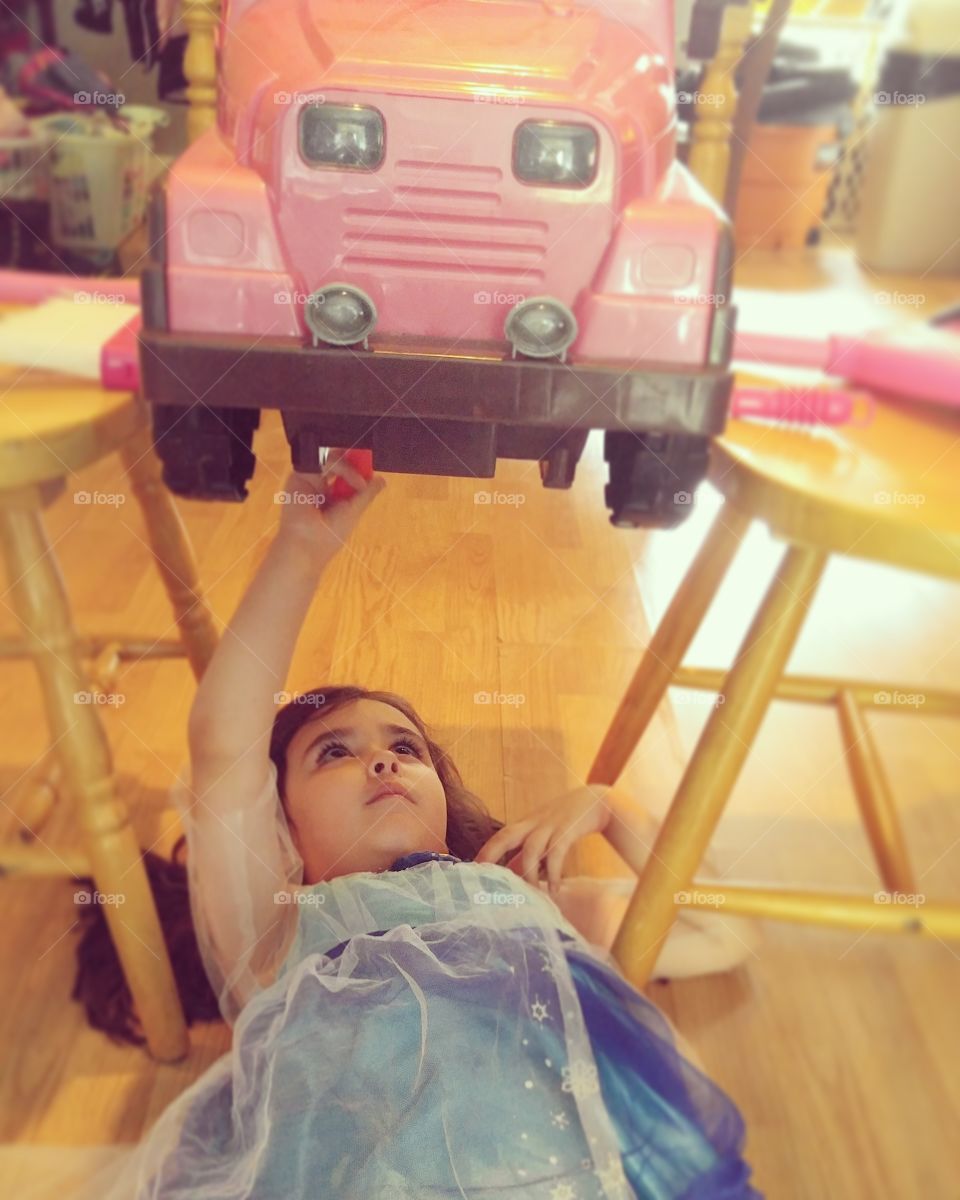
<point>171,549</point>
<point>108,837</point>
<point>669,644</point>
<point>720,753</point>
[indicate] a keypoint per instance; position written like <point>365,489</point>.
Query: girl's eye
<point>328,746</point>
<point>410,746</point>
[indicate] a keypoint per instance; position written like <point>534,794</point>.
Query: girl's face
<point>336,764</point>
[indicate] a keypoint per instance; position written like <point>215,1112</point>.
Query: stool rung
<point>815,689</point>
<point>41,860</point>
<point>883,911</point>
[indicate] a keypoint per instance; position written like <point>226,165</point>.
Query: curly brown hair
<point>100,985</point>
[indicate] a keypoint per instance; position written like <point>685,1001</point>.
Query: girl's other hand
<point>549,833</point>
<point>310,516</point>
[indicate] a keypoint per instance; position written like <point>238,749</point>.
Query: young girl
<point>411,1016</point>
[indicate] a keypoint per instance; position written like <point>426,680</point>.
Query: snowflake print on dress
<point>563,1191</point>
<point>581,1079</point>
<point>560,1120</point>
<point>539,1010</point>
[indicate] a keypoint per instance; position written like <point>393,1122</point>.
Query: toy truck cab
<point>448,231</point>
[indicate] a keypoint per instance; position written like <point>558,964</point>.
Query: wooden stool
<point>823,495</point>
<point>50,426</point>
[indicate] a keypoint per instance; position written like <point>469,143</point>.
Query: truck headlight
<point>340,314</point>
<point>341,135</point>
<point>552,153</point>
<point>541,327</point>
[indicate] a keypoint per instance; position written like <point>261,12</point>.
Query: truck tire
<point>653,477</point>
<point>207,453</point>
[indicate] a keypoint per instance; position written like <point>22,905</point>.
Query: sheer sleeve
<point>238,861</point>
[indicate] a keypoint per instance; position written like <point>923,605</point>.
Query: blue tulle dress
<point>440,1030</point>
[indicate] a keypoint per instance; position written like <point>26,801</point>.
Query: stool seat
<point>887,490</point>
<point>52,424</point>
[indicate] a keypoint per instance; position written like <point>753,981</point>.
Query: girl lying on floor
<point>413,1016</point>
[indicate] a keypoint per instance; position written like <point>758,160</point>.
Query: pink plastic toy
<point>362,461</point>
<point>919,360</point>
<point>446,231</point>
<point>803,405</point>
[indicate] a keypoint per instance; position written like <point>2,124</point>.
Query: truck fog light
<point>541,327</point>
<point>340,314</point>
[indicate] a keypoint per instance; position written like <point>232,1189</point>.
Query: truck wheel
<point>653,477</point>
<point>207,453</point>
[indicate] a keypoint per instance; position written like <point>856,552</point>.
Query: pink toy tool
<point>803,405</point>
<point>915,361</point>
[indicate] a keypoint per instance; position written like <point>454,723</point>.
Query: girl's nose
<point>384,762</point>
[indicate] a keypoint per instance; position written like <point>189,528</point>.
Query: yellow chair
<point>51,426</point>
<point>823,495</point>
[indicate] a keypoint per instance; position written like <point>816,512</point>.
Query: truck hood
<point>443,47</point>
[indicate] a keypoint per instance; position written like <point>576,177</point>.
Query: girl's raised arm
<point>234,708</point>
<point>239,852</point>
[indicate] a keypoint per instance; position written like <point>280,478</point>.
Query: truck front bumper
<point>428,407</point>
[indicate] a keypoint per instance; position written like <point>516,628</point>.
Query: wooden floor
<point>841,1050</point>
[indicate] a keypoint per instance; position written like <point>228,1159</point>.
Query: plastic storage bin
<point>784,184</point>
<point>98,178</point>
<point>24,166</point>
<point>909,208</point>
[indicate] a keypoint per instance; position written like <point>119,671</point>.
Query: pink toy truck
<point>446,231</point>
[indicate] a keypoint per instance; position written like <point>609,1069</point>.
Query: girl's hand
<point>550,833</point>
<point>311,517</point>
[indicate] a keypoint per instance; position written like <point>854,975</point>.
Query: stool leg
<point>669,644</point>
<point>874,797</point>
<point>171,549</point>
<point>720,753</point>
<point>108,838</point>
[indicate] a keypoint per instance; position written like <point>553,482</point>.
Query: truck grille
<point>445,218</point>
